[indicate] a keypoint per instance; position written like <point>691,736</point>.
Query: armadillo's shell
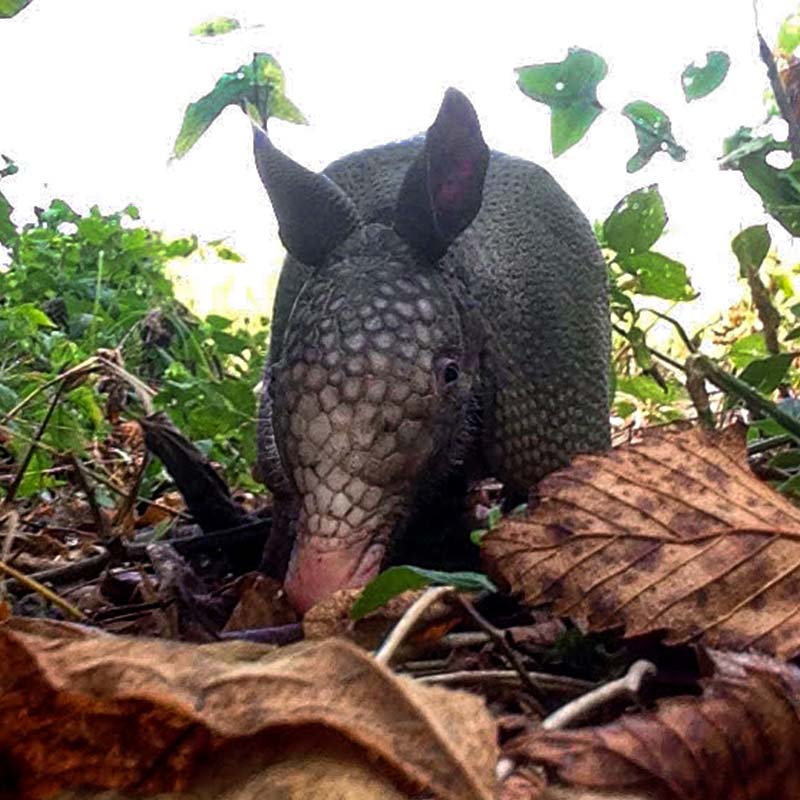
<point>538,276</point>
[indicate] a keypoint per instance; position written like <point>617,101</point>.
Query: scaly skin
<point>388,373</point>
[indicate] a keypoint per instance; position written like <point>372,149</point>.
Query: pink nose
<point>317,572</point>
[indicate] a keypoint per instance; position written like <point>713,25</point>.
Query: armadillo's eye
<point>451,372</point>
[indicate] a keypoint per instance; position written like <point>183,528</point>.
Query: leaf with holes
<point>653,132</point>
<point>569,88</point>
<point>659,276</point>
<point>778,187</point>
<point>699,82</point>
<point>738,739</point>
<point>672,533</point>
<point>636,222</point>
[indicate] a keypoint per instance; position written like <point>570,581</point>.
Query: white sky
<point>93,93</point>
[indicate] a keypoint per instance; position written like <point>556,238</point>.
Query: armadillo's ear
<point>443,189</point>
<point>314,214</point>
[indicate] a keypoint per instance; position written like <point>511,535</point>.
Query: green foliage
<point>569,88</point>
<point>79,283</point>
<point>10,8</point>
<point>779,188</point>
<point>218,26</point>
<point>258,88</point>
<point>768,373</point>
<point>396,580</point>
<point>699,82</point>
<point>633,227</point>
<point>751,247</point>
<point>789,35</point>
<point>636,222</point>
<point>653,132</point>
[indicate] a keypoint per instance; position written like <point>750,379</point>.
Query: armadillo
<point>442,309</point>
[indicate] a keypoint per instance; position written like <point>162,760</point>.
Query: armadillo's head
<point>371,388</point>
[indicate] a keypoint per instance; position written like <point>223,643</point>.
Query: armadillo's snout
<point>320,567</point>
<point>358,411</point>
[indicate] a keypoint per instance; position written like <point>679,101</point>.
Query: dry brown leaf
<point>262,604</point>
<point>739,741</point>
<point>329,767</point>
<point>331,617</point>
<point>672,533</point>
<point>80,708</point>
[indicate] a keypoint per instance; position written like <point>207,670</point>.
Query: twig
<point>89,365</point>
<point>552,683</point>
<point>496,635</point>
<point>409,620</point>
<point>773,442</point>
<point>666,359</point>
<point>11,522</point>
<point>42,590</point>
<point>781,98</point>
<point>627,686</point>
<point>698,392</point>
<point>675,324</point>
<point>101,523</point>
<point>753,399</point>
<point>86,367</point>
<point>26,459</point>
<point>465,639</point>
<point>129,499</point>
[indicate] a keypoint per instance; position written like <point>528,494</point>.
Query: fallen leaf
<point>332,617</point>
<point>80,708</point>
<point>327,767</point>
<point>673,533</point>
<point>262,604</point>
<point>740,740</point>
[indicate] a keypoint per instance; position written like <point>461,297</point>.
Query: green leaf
<point>10,8</point>
<point>783,283</point>
<point>216,27</point>
<point>641,352</point>
<point>787,459</point>
<point>476,536</point>
<point>653,132</point>
<point>227,254</point>
<point>642,387</point>
<point>659,276</point>
<point>636,222</point>
<point>779,188</point>
<point>789,35</point>
<point>699,82</point>
<point>751,247</point>
<point>34,479</point>
<point>181,248</point>
<point>8,231</point>
<point>218,323</point>
<point>766,375</point>
<point>569,88</point>
<point>257,87</point>
<point>569,125</point>
<point>9,169</point>
<point>747,349</point>
<point>396,580</point>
